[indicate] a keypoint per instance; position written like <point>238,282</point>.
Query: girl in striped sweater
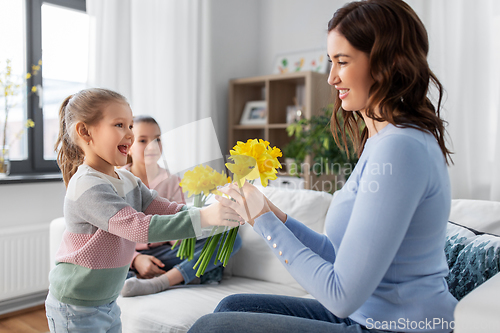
<point>107,211</point>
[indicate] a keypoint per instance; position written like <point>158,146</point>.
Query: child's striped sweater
<point>105,217</point>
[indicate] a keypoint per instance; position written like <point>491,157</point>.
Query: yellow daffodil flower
<point>265,156</point>
<point>202,180</point>
<point>243,167</point>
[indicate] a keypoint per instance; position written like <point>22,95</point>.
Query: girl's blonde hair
<point>85,106</point>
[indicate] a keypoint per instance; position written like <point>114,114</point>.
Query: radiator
<point>24,261</point>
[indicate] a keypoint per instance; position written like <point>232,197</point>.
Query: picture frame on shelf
<point>254,113</point>
<point>315,60</point>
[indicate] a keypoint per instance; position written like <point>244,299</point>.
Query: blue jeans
<point>247,313</point>
<point>64,317</point>
<point>170,260</point>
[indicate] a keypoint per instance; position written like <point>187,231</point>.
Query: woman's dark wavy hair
<point>394,38</point>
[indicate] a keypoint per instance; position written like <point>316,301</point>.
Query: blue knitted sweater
<point>382,261</point>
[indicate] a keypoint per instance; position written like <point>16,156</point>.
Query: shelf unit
<point>279,91</point>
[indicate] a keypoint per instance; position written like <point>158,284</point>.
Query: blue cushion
<point>472,259</point>
<point>457,237</point>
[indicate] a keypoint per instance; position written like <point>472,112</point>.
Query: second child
<point>157,265</point>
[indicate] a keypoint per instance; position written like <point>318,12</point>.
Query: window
<point>54,32</point>
<point>65,63</point>
<point>13,41</point>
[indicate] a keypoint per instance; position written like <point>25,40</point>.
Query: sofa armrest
<point>481,215</point>
<point>57,228</point>
<point>478,311</point>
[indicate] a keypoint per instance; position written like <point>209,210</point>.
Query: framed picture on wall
<point>307,60</point>
<point>254,113</point>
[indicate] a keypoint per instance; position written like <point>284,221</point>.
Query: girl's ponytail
<point>69,155</point>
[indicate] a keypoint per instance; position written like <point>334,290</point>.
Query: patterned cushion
<point>457,237</point>
<point>473,258</point>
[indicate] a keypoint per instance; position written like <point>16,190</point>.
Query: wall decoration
<point>309,60</point>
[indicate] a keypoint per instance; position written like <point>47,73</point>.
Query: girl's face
<point>350,72</point>
<point>147,146</point>
<point>111,138</point>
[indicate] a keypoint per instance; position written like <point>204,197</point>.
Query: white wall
<point>31,203</point>
<point>293,25</point>
<point>235,32</point>
<point>26,212</point>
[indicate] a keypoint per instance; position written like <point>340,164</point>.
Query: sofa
<point>254,269</point>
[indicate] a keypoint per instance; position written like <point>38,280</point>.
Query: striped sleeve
<point>103,208</point>
<point>152,203</point>
<point>141,228</point>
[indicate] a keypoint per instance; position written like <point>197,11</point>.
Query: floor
<point>31,320</point>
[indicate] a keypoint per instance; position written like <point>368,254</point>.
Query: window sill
<point>32,178</point>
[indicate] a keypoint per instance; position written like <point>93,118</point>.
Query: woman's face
<point>147,146</point>
<point>350,72</point>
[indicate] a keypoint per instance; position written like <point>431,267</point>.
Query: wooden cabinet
<point>279,91</point>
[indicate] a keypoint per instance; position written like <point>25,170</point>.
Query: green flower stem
<point>191,250</point>
<point>186,249</point>
<point>187,246</point>
<point>224,246</point>
<point>205,247</point>
<point>208,254</point>
<point>206,258</point>
<point>219,251</point>
<point>182,247</point>
<point>229,249</point>
<point>200,259</point>
<point>198,200</point>
<point>228,245</point>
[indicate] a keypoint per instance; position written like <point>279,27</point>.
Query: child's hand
<point>148,266</point>
<point>217,215</point>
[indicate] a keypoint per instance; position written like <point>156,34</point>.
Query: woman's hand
<point>250,202</point>
<point>148,266</point>
<point>219,215</point>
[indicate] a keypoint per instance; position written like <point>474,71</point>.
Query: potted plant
<point>295,153</point>
<point>313,136</point>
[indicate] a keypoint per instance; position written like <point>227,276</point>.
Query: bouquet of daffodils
<point>201,182</point>
<point>248,161</point>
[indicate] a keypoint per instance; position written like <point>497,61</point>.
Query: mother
<point>381,264</point>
